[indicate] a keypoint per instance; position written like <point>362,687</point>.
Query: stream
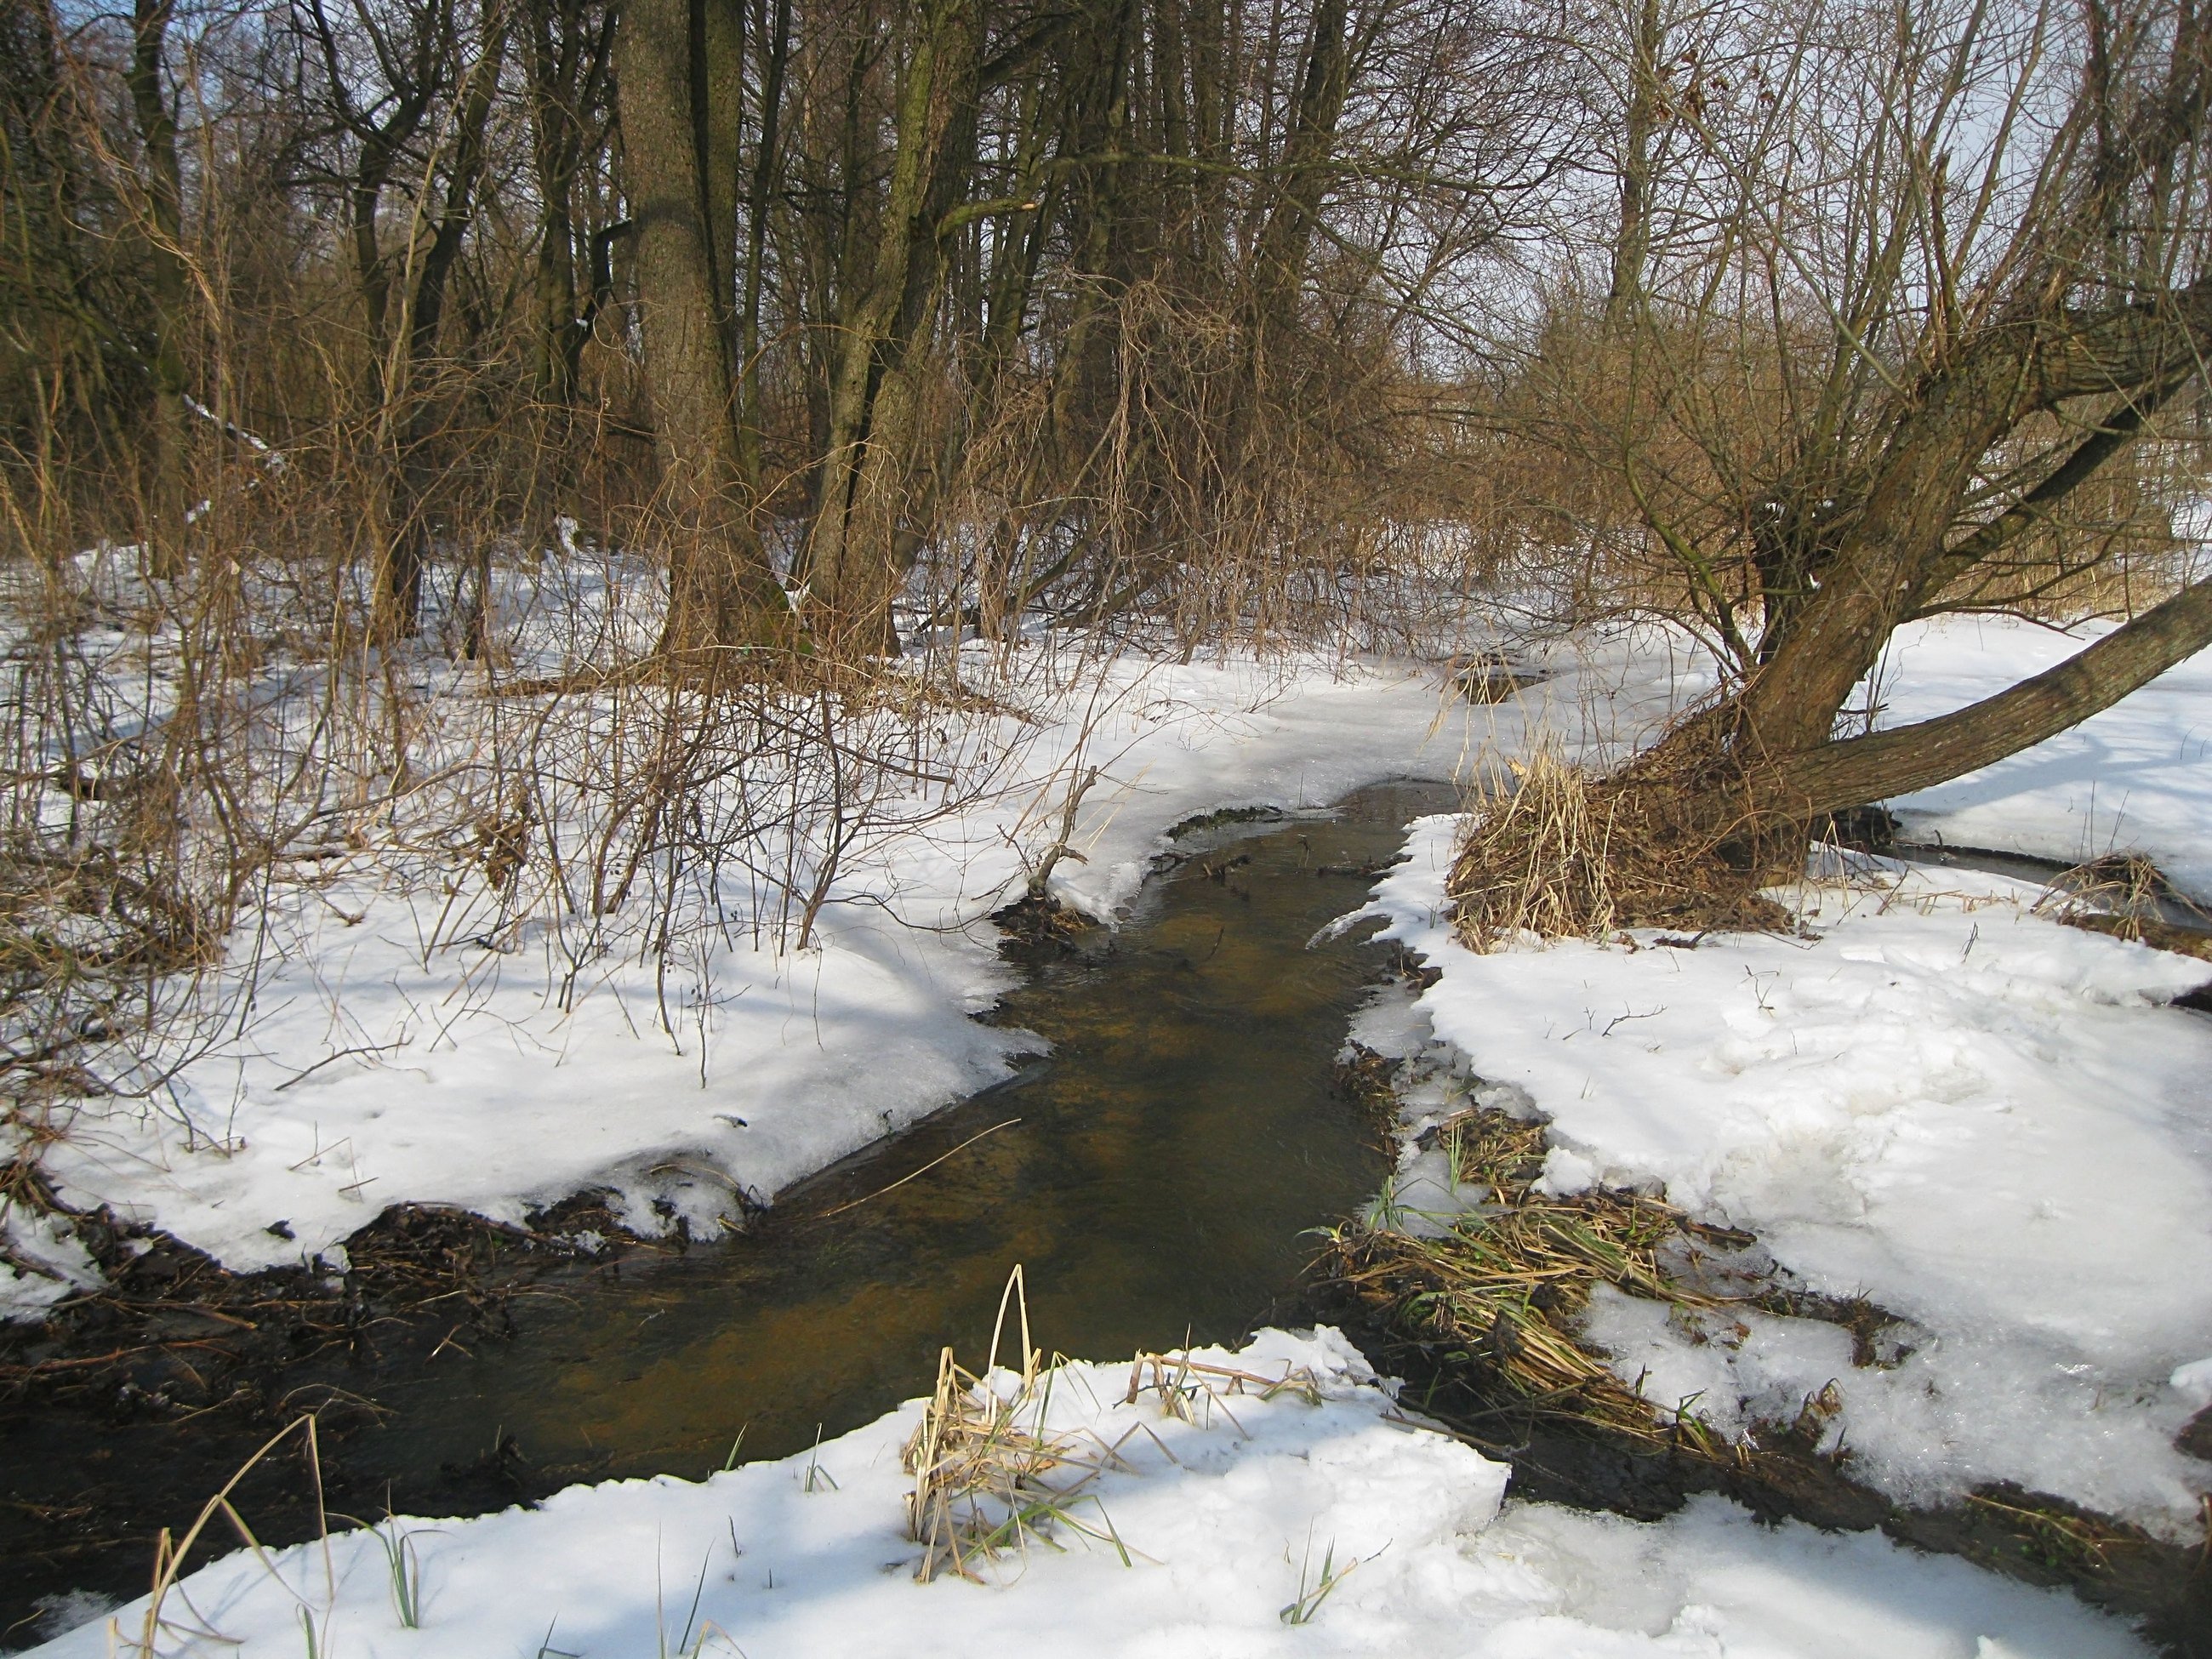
<point>1157,1174</point>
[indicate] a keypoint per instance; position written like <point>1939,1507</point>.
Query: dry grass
<point>1563,853</point>
<point>2057,1535</point>
<point>2129,897</point>
<point>1537,859</point>
<point>990,1475</point>
<point>169,1556</point>
<point>1507,1284</point>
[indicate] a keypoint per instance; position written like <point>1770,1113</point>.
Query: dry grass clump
<point>1537,859</point>
<point>1562,853</point>
<point>2129,897</point>
<point>1507,1284</point>
<point>990,1475</point>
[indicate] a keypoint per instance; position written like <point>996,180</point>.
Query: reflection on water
<point>1169,1157</point>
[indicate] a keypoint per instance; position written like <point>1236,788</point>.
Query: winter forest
<point>1190,826</point>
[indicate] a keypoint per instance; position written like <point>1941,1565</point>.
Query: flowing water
<point>1158,1175</point>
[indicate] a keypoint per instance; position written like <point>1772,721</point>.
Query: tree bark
<point>163,182</point>
<point>1929,752</point>
<point>408,543</point>
<point>722,590</point>
<point>876,391</point>
<point>1632,243</point>
<point>766,162</point>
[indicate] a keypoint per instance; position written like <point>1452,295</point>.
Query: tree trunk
<point>766,162</point>
<point>568,68</point>
<point>722,591</point>
<point>876,391</point>
<point>1919,756</point>
<point>1278,260</point>
<point>408,541</point>
<point>1633,242</point>
<point>163,181</point>
<point>1752,770</point>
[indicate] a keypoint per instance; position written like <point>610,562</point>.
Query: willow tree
<point>1951,285</point>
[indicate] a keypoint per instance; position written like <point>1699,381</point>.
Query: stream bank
<point>1158,1172</point>
<point>1481,1316</point>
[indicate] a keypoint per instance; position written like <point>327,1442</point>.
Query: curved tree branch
<point>1929,752</point>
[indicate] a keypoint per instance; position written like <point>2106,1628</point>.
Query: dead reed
<point>2129,897</point>
<point>990,1475</point>
<point>1504,1287</point>
<point>1560,852</point>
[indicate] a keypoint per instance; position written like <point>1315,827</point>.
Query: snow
<point>2193,1383</point>
<point>1228,1511</point>
<point>41,1263</point>
<point>2134,779</point>
<point>1985,1123</point>
<point>501,1073</point>
<point>1988,1124</point>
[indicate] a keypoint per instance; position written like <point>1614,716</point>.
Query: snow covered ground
<point>54,1264</point>
<point>2134,779</point>
<point>1989,1124</point>
<point>1986,1123</point>
<point>380,1067</point>
<point>1228,1509</point>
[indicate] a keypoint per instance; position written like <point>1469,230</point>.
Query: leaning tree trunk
<point>1932,751</point>
<point>1920,458</point>
<point>1750,772</point>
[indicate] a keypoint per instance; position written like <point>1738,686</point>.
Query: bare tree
<point>1950,275</point>
<point>677,63</point>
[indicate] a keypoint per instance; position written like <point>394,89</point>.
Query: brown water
<point>1171,1156</point>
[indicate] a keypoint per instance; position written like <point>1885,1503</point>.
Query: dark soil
<point>174,1341</point>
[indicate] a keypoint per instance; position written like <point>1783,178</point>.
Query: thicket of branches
<point>520,434</point>
<point>1120,307</point>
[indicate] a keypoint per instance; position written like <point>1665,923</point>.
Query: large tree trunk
<point>1761,765</point>
<point>1932,751</point>
<point>163,183</point>
<point>877,384</point>
<point>722,590</point>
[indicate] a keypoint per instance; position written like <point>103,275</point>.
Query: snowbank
<point>1985,1123</point>
<point>41,1263</point>
<point>497,1075</point>
<point>1227,1515</point>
